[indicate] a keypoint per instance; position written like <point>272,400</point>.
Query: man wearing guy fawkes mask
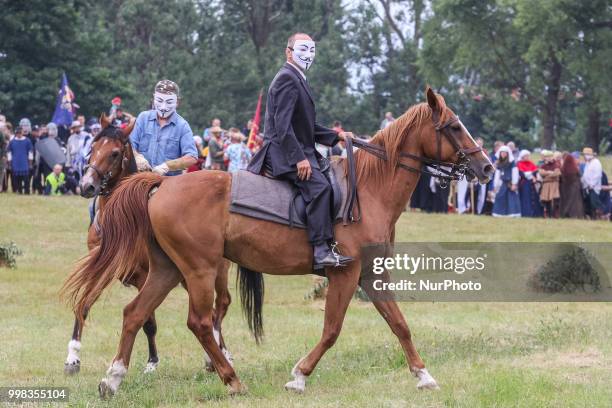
<point>288,151</point>
<point>162,140</point>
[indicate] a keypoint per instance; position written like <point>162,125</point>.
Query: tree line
<point>534,72</point>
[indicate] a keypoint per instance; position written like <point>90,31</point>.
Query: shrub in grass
<point>568,272</point>
<point>8,252</point>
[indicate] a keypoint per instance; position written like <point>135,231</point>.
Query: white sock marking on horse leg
<point>74,347</point>
<point>426,381</point>
<point>299,380</point>
<point>228,356</point>
<point>151,367</point>
<point>114,376</point>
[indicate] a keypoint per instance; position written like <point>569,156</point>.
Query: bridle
<point>444,171</point>
<point>105,178</point>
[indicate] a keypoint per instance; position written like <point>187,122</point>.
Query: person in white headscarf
<point>591,182</point>
<point>528,193</point>
<point>505,184</point>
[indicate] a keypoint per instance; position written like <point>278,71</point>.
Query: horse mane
<point>391,139</point>
<point>111,131</point>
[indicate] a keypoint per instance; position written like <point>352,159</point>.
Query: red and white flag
<point>253,142</point>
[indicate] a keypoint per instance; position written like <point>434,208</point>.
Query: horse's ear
<point>432,100</point>
<point>105,121</point>
<point>128,129</point>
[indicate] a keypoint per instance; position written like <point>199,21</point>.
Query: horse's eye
<point>456,127</point>
<point>115,153</point>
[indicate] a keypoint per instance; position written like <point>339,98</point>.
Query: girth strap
<point>351,191</point>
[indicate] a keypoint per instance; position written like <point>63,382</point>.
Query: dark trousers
<point>317,194</point>
<point>21,183</point>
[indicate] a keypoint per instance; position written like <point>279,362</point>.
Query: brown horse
<point>187,227</point>
<point>111,160</point>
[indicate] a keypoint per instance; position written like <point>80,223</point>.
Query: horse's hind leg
<point>163,276</point>
<point>150,329</point>
<point>73,360</point>
<point>200,285</point>
<point>394,317</point>
<point>223,299</point>
<point>342,285</point>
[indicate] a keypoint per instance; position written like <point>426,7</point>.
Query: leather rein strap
<point>444,171</point>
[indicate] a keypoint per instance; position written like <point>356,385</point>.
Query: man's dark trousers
<point>317,193</point>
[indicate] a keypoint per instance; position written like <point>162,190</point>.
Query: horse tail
<point>125,232</point>
<point>251,286</point>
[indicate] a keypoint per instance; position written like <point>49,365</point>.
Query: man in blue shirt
<point>162,140</point>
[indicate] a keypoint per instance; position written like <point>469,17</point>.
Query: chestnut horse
<point>111,160</point>
<point>187,227</point>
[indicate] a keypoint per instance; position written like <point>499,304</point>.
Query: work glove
<point>161,169</point>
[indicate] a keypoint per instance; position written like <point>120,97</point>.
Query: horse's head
<point>108,158</point>
<point>445,139</point>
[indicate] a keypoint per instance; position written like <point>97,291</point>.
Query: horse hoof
<point>72,368</point>
<point>150,367</point>
<point>105,389</point>
<point>296,386</point>
<point>237,389</point>
<point>426,381</point>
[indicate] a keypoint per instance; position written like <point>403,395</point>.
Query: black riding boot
<point>325,256</point>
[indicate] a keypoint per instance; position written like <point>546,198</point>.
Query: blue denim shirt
<point>158,144</point>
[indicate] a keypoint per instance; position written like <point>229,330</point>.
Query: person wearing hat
<point>162,140</point>
<point>215,158</point>
<point>73,146</point>
<point>550,173</point>
<point>591,182</point>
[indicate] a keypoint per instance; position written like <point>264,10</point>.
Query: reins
<point>444,171</point>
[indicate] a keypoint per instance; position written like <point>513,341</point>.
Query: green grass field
<point>482,354</point>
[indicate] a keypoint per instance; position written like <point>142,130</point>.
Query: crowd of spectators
<point>45,159</point>
<point>559,185</point>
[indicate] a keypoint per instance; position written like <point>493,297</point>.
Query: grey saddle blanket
<point>278,201</point>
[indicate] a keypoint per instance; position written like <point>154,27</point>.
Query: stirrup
<point>335,253</point>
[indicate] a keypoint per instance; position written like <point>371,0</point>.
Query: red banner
<point>253,142</point>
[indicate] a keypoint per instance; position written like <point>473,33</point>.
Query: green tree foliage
<point>533,72</point>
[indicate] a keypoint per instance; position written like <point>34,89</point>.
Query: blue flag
<point>64,107</point>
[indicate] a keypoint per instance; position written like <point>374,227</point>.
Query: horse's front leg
<point>392,314</point>
<point>342,285</point>
<point>72,365</point>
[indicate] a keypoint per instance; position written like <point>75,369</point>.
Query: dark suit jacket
<point>290,129</point>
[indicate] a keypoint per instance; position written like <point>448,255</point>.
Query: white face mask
<point>164,104</point>
<point>588,157</point>
<point>303,53</point>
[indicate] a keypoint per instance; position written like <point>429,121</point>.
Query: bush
<point>8,252</point>
<point>566,273</point>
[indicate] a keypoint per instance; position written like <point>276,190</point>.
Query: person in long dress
<point>530,201</point>
<point>571,205</point>
<point>507,203</point>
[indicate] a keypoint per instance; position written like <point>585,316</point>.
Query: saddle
<point>270,199</point>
